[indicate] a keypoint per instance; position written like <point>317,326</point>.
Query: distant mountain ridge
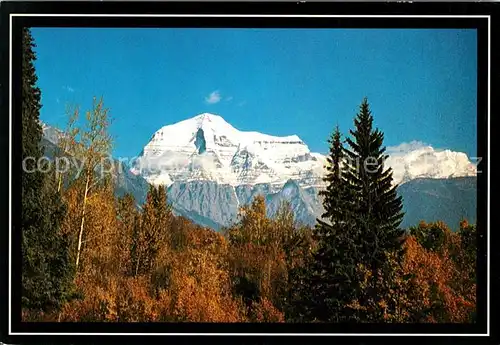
<point>426,199</point>
<point>207,148</point>
<point>124,180</point>
<point>200,190</point>
<point>448,200</point>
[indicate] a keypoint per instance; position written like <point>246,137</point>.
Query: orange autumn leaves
<point>443,277</point>
<point>244,274</point>
<point>184,286</point>
<point>435,282</point>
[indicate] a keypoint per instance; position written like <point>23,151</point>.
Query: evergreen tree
<point>359,227</point>
<point>330,275</point>
<point>378,214</point>
<point>376,201</point>
<point>333,200</point>
<point>46,269</point>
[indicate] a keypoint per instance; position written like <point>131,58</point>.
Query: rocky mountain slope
<point>211,169</point>
<point>429,199</point>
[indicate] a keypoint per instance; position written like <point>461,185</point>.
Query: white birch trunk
<point>80,236</point>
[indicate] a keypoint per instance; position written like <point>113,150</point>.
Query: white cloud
<point>405,148</point>
<point>213,98</point>
<point>68,88</point>
<point>229,99</point>
<point>242,103</point>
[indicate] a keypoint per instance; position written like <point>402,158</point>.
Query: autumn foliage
<point>247,273</point>
<point>143,263</point>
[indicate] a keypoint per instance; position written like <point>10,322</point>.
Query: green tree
<point>378,212</point>
<point>377,204</point>
<point>334,196</point>
<point>328,280</point>
<point>359,230</point>
<point>46,268</point>
<point>332,282</point>
<point>430,236</point>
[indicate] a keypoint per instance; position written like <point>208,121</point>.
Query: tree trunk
<point>83,221</point>
<point>269,277</point>
<point>139,250</point>
<point>59,182</point>
<point>137,263</point>
<point>59,174</point>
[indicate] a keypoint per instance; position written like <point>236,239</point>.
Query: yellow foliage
<point>194,274</point>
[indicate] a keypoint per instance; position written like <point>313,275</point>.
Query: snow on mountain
<point>212,169</point>
<point>414,160</point>
<point>50,133</point>
<point>207,148</point>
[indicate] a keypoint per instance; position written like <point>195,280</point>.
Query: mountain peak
<point>226,154</point>
<point>207,147</point>
<point>213,123</point>
<point>207,116</point>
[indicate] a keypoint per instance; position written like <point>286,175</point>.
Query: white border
<point>248,16</point>
<point>488,185</point>
<point>10,167</point>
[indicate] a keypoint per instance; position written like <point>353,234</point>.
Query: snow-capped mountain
<point>207,148</point>
<point>418,160</point>
<point>211,169</point>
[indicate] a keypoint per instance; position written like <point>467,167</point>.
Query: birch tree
<point>91,148</point>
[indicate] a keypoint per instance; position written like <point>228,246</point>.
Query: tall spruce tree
<point>333,201</point>
<point>331,283</point>
<point>376,202</point>
<point>359,226</point>
<point>46,269</point>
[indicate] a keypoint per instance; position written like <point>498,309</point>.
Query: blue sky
<point>421,84</point>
